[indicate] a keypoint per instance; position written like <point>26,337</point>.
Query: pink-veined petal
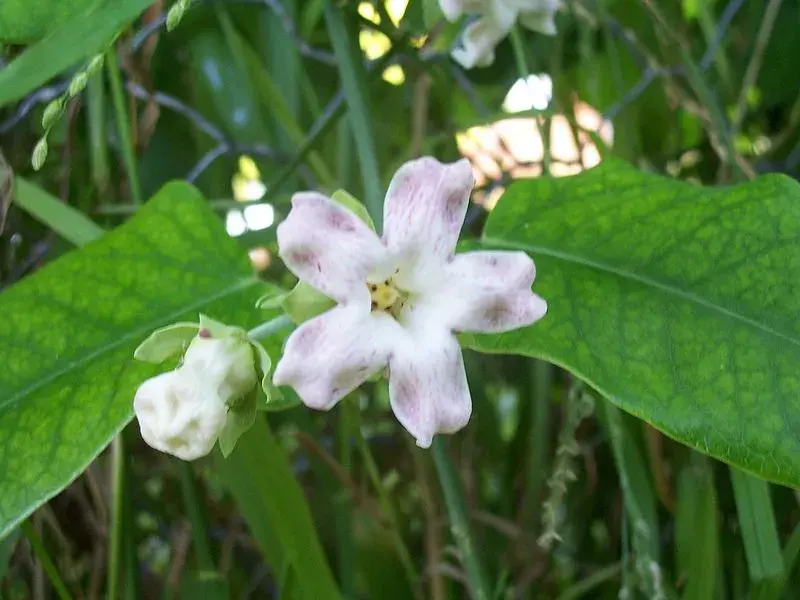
<point>330,355</point>
<point>486,292</point>
<point>329,247</point>
<point>424,211</point>
<point>428,388</point>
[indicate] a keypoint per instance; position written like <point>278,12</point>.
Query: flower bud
<point>226,363</point>
<point>78,83</point>
<point>39,154</point>
<point>52,113</point>
<point>95,64</point>
<point>179,415</point>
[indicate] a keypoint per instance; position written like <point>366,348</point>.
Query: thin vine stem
<point>44,558</point>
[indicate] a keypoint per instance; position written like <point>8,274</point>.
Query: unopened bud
<point>52,113</point>
<point>95,65</point>
<point>78,83</point>
<point>39,154</point>
<point>175,14</point>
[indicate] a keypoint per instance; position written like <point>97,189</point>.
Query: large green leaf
<point>68,333</point>
<point>86,33</point>
<point>23,21</point>
<point>677,302</point>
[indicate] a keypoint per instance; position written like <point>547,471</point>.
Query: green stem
<point>44,558</point>
<point>98,155</point>
<point>195,513</point>
<point>123,126</point>
<point>585,586</point>
<point>343,509</point>
<point>383,499</point>
<point>354,77</point>
<point>538,444</point>
<point>115,538</point>
<point>459,522</point>
<point>524,71</point>
<point>269,328</point>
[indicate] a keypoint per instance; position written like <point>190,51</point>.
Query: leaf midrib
<point>565,256</point>
<point>121,340</point>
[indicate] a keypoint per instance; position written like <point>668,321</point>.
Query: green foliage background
<point>638,465</point>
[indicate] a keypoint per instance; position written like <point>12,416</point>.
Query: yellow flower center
<point>386,297</point>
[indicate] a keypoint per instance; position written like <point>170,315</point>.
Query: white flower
<point>179,415</point>
<point>400,297</point>
<point>184,411</point>
<point>496,18</point>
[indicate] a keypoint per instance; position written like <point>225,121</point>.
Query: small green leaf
<point>676,302</point>
<point>69,223</point>
<point>240,419</point>
<point>305,302</point>
<point>166,342</point>
<point>352,203</point>
<point>274,399</point>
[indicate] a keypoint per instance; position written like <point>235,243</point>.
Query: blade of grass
<point>123,126</point>
<point>114,566</point>
<point>596,579</point>
<point>387,508</point>
<point>272,96</point>
<point>69,223</point>
<point>638,492</point>
<point>697,529</point>
<point>44,559</point>
<point>7,545</point>
<point>791,552</point>
<point>353,74</point>
<point>84,34</point>
<point>541,392</point>
<point>459,522</point>
<point>131,589</point>
<point>194,511</point>
<point>759,534</point>
<point>98,146</point>
<point>260,479</point>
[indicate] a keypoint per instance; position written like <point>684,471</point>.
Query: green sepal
<point>220,330</point>
<point>431,13</point>
<point>305,302</point>
<point>166,342</point>
<point>270,301</point>
<point>240,418</point>
<point>274,399</point>
<point>351,203</point>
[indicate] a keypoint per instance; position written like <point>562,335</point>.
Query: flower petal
<point>485,292</point>
<point>329,247</point>
<point>179,413</point>
<point>424,210</point>
<point>482,36</point>
<point>428,388</point>
<point>540,21</point>
<point>332,354</point>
